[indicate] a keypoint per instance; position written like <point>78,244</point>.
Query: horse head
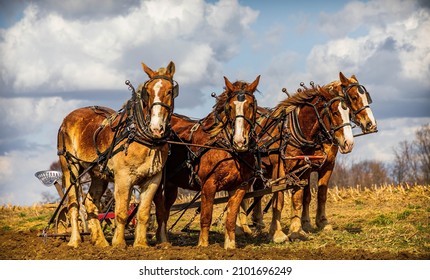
<point>358,99</point>
<point>336,117</point>
<point>241,109</point>
<point>158,94</point>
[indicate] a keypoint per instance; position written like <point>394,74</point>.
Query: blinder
<point>145,95</point>
<point>326,110</point>
<point>361,89</point>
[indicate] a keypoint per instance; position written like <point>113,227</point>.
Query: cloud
<point>87,10</point>
<point>50,50</point>
<point>396,34</point>
<point>27,122</point>
<point>18,185</point>
<point>391,58</point>
<point>379,146</point>
<point>358,15</point>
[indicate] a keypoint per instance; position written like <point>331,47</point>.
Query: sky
<point>57,56</point>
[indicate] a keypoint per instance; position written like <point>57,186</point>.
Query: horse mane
<point>291,103</point>
<point>333,88</point>
<point>161,71</point>
<point>219,108</point>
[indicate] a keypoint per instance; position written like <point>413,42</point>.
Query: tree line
<point>411,165</point>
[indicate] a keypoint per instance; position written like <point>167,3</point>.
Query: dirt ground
<point>28,246</point>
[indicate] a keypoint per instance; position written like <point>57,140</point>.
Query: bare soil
<point>391,223</point>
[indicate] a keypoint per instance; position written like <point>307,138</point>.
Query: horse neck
<point>213,123</point>
<point>308,122</point>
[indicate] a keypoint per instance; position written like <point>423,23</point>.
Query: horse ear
<point>252,87</point>
<point>170,69</point>
<point>344,80</point>
<point>228,84</point>
<point>354,78</point>
<point>148,70</point>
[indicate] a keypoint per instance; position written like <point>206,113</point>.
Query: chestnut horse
<point>358,100</point>
<point>217,156</point>
<point>127,147</point>
<point>296,127</point>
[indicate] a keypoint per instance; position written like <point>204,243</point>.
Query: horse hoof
<point>324,225</point>
<point>121,245</point>
<point>327,228</point>
<point>144,245</point>
<point>240,231</point>
<point>102,244</point>
<point>279,237</point>
<point>298,236</point>
<point>306,226</point>
<point>73,244</point>
<point>229,245</point>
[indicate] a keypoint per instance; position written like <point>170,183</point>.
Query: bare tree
<point>422,145</point>
<point>403,171</point>
<point>340,175</point>
<point>368,173</point>
<point>364,173</point>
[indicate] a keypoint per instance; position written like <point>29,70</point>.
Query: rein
<point>198,145</point>
<point>361,90</point>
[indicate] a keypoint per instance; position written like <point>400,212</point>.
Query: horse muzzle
<point>346,147</point>
<point>241,145</point>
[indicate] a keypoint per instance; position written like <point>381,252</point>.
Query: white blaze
<point>239,123</point>
<point>156,120</point>
<point>368,111</point>
<point>347,130</point>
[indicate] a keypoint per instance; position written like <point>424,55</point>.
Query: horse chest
<point>140,163</point>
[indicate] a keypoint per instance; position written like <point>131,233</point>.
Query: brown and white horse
<point>127,147</point>
<point>358,100</point>
<point>216,156</point>
<point>296,127</point>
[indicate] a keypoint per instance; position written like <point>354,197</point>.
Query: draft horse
<point>214,154</point>
<point>127,147</point>
<point>358,100</point>
<point>294,128</point>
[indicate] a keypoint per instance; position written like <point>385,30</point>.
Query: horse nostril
<point>370,126</point>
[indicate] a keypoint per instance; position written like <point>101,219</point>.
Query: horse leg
<point>275,233</point>
<point>306,220</point>
<point>163,203</point>
<point>144,211</point>
<point>233,206</point>
<point>257,211</point>
<point>242,226</point>
<point>207,201</point>
<point>160,213</point>
<point>321,218</point>
<point>92,205</point>
<point>296,232</point>
<point>72,198</point>
<point>122,201</point>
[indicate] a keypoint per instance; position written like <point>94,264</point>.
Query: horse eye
<point>361,90</point>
